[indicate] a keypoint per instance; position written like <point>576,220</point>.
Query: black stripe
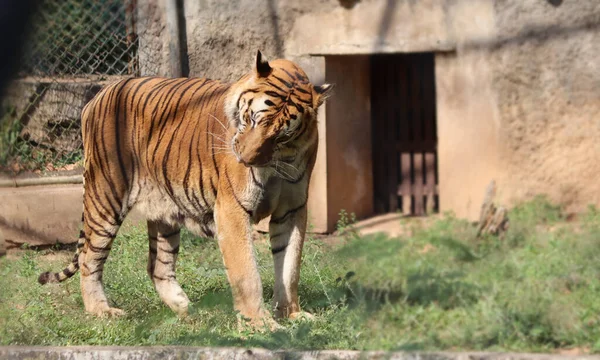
<point>277,250</point>
<point>270,83</point>
<point>174,251</point>
<point>305,102</point>
<point>152,250</point>
<point>111,218</point>
<point>289,74</point>
<point>275,94</point>
<point>118,130</point>
<point>258,184</point>
<point>300,77</point>
<point>219,92</point>
<point>99,269</point>
<point>68,273</point>
<point>163,119</point>
<point>166,236</point>
<point>101,233</point>
<point>288,84</point>
<point>135,160</point>
<point>249,212</point>
<point>283,218</point>
<point>91,176</point>
<point>186,180</point>
<point>169,277</point>
<point>244,93</point>
<point>167,262</point>
<point>98,249</point>
<point>298,107</point>
<point>302,91</point>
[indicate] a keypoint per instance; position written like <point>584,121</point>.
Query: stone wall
<point>519,101</point>
<point>546,81</point>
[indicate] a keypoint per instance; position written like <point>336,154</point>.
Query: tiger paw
<point>259,324</point>
<point>301,315</point>
<point>109,312</point>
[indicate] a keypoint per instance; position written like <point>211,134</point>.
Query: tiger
<point>210,156</point>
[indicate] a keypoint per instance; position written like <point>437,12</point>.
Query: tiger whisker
<point>217,137</point>
<point>220,148</point>
<point>279,174</point>
<point>284,174</point>
<point>290,165</point>
<point>219,121</point>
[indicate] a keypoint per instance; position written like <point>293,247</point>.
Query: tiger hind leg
<point>100,233</point>
<point>162,257</point>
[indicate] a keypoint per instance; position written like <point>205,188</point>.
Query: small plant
<point>345,224</point>
<point>10,127</point>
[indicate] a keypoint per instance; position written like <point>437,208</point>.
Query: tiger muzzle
<point>252,153</point>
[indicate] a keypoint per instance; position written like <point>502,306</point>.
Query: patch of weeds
<point>538,211</point>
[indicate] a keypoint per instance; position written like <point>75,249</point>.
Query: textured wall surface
<point>519,102</point>
<point>546,81</point>
<point>153,38</point>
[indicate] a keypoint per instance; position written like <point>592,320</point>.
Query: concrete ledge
<point>43,215</point>
<point>182,352</point>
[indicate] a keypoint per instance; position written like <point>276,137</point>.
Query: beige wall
<point>519,102</point>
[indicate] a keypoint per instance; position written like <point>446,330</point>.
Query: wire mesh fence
<point>74,48</point>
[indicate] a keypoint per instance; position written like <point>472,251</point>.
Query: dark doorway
<point>404,133</point>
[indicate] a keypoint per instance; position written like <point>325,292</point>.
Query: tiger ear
<point>263,69</point>
<point>322,93</point>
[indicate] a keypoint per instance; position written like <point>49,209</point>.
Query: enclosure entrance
<point>403,114</point>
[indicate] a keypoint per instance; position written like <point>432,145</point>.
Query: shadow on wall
<point>275,26</point>
<point>25,232</point>
<point>385,23</point>
<point>538,33</point>
<point>541,33</point>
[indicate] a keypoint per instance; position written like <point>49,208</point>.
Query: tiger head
<point>273,111</point>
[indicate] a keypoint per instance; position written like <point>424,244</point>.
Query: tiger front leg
<point>286,230</point>
<point>235,242</point>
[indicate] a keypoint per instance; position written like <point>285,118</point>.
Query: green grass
<point>535,289</point>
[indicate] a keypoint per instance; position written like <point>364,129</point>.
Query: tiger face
<point>272,110</point>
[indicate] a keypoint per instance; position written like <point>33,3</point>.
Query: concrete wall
<point>519,102</point>
<point>41,215</point>
<point>518,86</point>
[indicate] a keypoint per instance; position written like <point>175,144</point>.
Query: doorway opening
<point>404,134</point>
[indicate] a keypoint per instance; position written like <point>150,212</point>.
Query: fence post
<point>172,20</point>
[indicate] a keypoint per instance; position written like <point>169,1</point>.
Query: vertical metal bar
<point>392,163</point>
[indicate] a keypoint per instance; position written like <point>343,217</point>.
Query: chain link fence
<point>75,47</point>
